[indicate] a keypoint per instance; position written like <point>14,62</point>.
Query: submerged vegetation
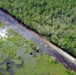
<point>8,49</point>
<point>54,19</point>
<point>15,58</point>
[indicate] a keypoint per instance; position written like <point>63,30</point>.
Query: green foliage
<point>0,24</point>
<point>9,48</point>
<point>43,65</point>
<point>54,19</point>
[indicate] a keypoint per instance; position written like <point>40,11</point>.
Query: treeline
<point>54,19</point>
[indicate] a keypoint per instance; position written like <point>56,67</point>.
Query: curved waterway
<point>30,35</point>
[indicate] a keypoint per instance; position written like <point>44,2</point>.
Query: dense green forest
<point>54,19</point>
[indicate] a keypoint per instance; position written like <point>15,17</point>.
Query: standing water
<point>25,59</point>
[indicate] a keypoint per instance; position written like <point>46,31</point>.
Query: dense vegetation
<point>54,19</point>
<point>15,57</point>
<point>9,48</point>
<point>43,65</point>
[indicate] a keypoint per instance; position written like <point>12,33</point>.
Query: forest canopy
<point>54,19</point>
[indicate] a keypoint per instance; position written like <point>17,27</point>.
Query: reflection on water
<point>3,33</point>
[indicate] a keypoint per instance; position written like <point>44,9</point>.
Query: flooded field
<point>14,52</point>
<point>19,56</point>
<point>23,53</point>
